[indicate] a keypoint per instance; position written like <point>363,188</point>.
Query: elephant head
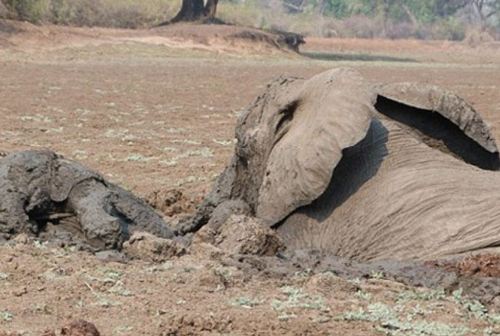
<point>296,133</point>
<point>367,172</point>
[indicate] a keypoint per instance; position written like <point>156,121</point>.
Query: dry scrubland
<point>153,112</point>
<point>338,18</point>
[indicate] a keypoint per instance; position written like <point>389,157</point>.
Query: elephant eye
<point>286,116</point>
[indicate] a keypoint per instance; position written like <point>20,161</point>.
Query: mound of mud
<point>281,40</point>
<point>170,202</point>
<point>240,234</point>
<point>75,328</point>
<point>233,37</point>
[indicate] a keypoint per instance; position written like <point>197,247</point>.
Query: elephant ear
<point>321,117</point>
<point>447,104</point>
<point>66,175</point>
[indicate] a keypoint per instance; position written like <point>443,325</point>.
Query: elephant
<point>364,171</point>
<point>38,187</point>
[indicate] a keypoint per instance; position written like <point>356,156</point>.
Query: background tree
<point>3,10</point>
<point>485,10</point>
<point>196,10</point>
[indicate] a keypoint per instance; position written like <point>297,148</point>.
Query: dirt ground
<point>155,110</point>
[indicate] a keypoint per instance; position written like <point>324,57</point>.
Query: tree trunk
<point>211,9</point>
<point>196,10</point>
<point>3,11</point>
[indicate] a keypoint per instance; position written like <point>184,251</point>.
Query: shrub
<point>79,13</point>
<point>401,30</point>
<point>28,10</point>
<point>477,37</point>
<point>450,29</point>
<point>362,26</point>
<point>106,13</point>
<point>4,13</point>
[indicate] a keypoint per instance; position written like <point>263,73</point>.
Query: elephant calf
<point>38,187</point>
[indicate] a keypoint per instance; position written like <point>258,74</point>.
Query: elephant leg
<point>90,201</point>
<point>13,218</point>
<point>23,192</point>
<point>136,214</point>
<point>108,215</point>
<point>225,210</point>
<point>19,207</point>
<point>221,192</point>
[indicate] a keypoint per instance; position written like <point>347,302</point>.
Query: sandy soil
<point>153,112</point>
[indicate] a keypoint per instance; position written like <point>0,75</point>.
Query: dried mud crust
<point>481,265</point>
<point>208,291</point>
<point>75,328</point>
<point>171,202</point>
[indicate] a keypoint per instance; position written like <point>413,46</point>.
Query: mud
<point>171,202</point>
<point>7,27</point>
<point>76,328</point>
<point>278,39</point>
<point>241,235</point>
<point>148,247</point>
<point>441,275</point>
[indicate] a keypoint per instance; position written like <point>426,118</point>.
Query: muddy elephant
<point>337,164</point>
<point>43,193</point>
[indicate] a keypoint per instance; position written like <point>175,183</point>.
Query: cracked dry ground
<point>151,119</point>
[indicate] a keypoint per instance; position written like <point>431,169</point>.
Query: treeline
<point>103,13</point>
<point>449,19</point>
<point>423,19</point>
